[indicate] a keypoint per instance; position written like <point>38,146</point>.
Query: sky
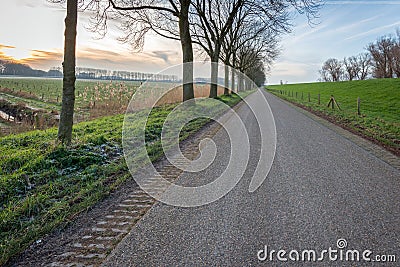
<point>31,31</point>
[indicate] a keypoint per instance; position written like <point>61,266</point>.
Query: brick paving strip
<point>92,236</point>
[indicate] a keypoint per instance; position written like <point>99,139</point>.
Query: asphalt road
<point>321,188</point>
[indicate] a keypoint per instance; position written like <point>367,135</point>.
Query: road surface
<point>321,188</point>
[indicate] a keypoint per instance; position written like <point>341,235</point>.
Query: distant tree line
<point>8,67</point>
<point>101,74</point>
<point>11,68</point>
<point>381,60</point>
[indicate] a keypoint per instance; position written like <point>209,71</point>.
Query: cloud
<point>294,72</point>
<point>43,59</point>
<point>288,68</point>
<point>45,54</point>
<point>3,55</point>
<point>93,52</point>
<point>356,24</point>
<point>308,33</point>
<point>38,59</point>
<point>373,31</point>
<point>148,61</point>
<point>164,55</point>
<point>2,46</point>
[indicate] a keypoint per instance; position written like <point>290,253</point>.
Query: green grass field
<point>380,105</point>
<point>43,185</point>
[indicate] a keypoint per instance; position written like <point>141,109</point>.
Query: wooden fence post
<point>358,106</point>
<point>309,97</point>
<point>331,101</point>
<point>302,96</point>
<point>319,99</point>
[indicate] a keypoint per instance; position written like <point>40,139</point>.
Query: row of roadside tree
<point>243,34</point>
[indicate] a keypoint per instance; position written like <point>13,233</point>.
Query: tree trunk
<point>187,51</point>
<point>233,79</point>
<point>226,90</point>
<point>68,97</point>
<point>240,82</point>
<point>214,75</point>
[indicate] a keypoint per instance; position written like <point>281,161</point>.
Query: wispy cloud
<point>166,56</point>
<point>308,33</point>
<point>373,31</point>
<point>3,55</point>
<point>151,61</point>
<point>2,46</point>
<point>42,58</point>
<point>357,24</point>
<point>93,52</point>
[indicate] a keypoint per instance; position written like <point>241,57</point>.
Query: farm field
<point>379,117</point>
<point>94,99</point>
<point>37,91</point>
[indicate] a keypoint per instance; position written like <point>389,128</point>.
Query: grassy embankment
<point>43,186</point>
<point>380,106</point>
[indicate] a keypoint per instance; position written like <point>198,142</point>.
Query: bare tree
<point>257,72</point>
<point>68,97</point>
<point>249,56</point>
<point>351,67</point>
<point>252,23</point>
<point>212,21</point>
<point>230,45</point>
<point>364,64</point>
<point>167,18</point>
<point>325,77</point>
<point>332,70</point>
<point>396,55</point>
<point>382,55</point>
<point>357,67</point>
